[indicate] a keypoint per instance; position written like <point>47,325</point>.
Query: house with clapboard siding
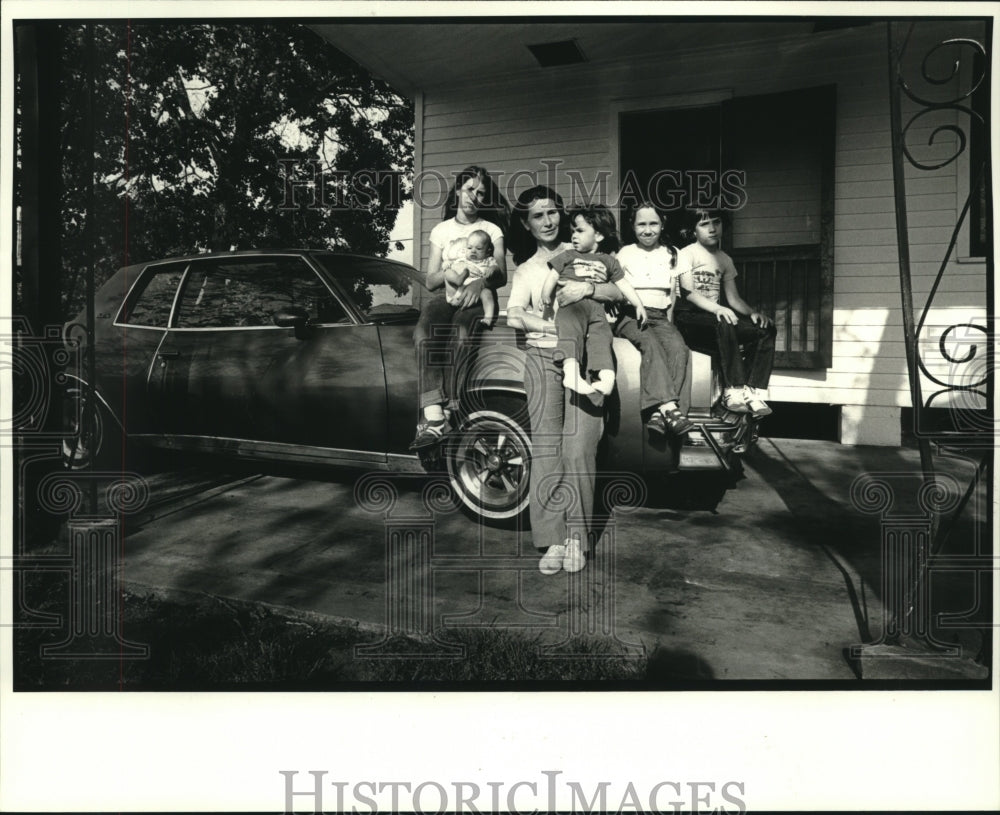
<point>786,122</point>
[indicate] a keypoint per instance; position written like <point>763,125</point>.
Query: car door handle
<point>168,354</point>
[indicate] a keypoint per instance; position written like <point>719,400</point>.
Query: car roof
<point>269,251</point>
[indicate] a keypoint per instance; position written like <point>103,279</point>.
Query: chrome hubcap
<point>497,462</point>
<point>488,460</point>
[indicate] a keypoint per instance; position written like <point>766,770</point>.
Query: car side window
<point>149,303</point>
<point>247,291</point>
<point>378,289</point>
<point>377,298</point>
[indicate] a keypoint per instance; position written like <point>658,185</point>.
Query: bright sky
<point>403,231</point>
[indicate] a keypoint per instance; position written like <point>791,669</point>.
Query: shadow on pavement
<point>672,665</point>
<point>817,492</point>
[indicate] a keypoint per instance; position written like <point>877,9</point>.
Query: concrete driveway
<point>775,583</point>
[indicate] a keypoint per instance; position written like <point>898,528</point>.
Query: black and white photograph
<point>519,407</point>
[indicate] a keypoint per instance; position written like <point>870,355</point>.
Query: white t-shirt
<point>526,291</point>
<point>450,237</point>
<point>649,273</point>
<point>703,271</point>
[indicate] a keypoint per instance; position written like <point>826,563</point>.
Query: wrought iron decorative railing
<point>966,347</point>
<point>959,68</point>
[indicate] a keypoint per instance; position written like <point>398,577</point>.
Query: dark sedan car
<point>307,356</point>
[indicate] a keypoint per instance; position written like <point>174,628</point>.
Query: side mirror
<point>292,317</point>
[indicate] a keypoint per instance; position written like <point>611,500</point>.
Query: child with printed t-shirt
<point>584,324</point>
<point>705,273</point>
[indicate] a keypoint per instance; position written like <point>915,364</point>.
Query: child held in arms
<point>584,325</point>
<point>479,264</point>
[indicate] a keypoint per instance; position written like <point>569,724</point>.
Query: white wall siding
<point>510,124</point>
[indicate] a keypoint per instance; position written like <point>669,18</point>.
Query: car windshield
<point>380,289</point>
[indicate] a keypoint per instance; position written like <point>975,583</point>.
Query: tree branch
<point>213,136</point>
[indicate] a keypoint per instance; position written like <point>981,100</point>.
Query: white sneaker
<point>552,560</point>
<point>575,559</point>
<point>758,407</point>
<point>735,400</point>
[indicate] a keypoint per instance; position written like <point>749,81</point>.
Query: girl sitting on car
<point>440,338</point>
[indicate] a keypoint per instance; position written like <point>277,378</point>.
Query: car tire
<point>488,460</point>
<point>99,448</point>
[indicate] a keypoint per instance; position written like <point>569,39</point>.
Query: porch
<point>799,107</point>
<point>777,581</point>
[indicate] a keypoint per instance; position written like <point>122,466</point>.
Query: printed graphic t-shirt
<point>703,271</point>
<point>568,263</point>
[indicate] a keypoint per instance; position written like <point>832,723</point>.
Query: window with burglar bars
<point>781,147</point>
<point>787,283</point>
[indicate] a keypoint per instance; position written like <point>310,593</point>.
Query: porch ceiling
<point>415,56</point>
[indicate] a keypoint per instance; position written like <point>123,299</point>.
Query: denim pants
<point>664,356</point>
<point>440,342</point>
<point>704,332</point>
<point>584,325</point>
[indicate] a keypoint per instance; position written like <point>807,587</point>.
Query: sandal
<point>657,423</point>
<point>429,434</point>
<point>671,420</point>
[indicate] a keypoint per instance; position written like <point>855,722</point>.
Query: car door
<point>388,295</point>
<point>233,380</point>
<point>127,354</point>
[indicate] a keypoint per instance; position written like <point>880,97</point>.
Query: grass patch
<point>502,655</point>
<point>199,642</point>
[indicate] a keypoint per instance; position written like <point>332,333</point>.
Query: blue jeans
<point>440,341</point>
<point>745,351</point>
<point>583,325</point>
<point>664,356</point>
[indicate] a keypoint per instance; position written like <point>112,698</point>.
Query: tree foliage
<point>201,127</point>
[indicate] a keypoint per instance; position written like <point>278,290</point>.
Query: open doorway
<point>672,157</point>
<point>769,161</point>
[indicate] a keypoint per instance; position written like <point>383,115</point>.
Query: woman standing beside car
<point>565,426</point>
<point>474,203</point>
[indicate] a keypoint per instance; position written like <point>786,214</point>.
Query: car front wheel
<point>489,461</point>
